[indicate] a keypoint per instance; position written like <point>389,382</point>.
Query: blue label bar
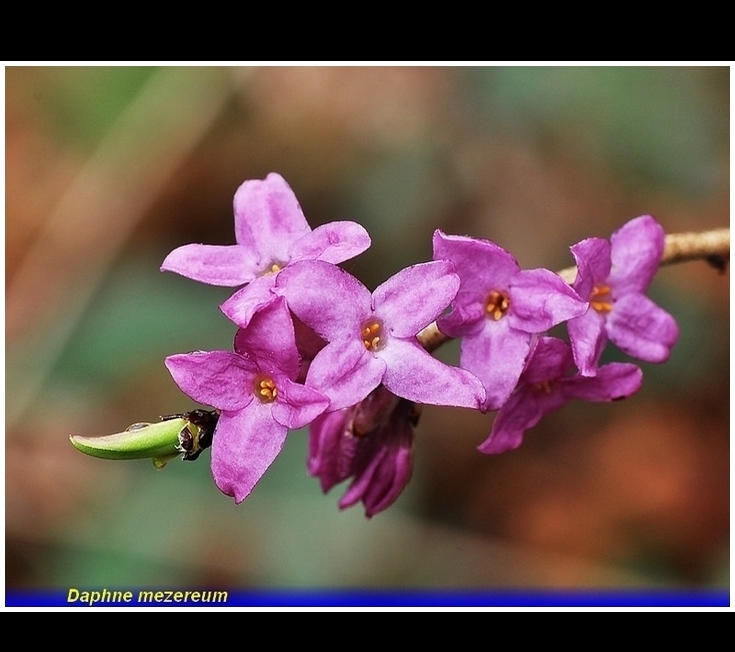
<point>177,597</point>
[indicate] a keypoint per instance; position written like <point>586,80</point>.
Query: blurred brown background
<point>109,168</point>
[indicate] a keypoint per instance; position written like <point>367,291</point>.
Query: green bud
<point>186,435</point>
<point>158,441</point>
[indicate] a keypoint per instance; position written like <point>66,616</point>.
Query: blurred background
<point>110,168</point>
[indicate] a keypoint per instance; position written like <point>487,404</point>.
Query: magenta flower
<point>546,385</point>
<point>499,310</point>
<point>372,443</point>
<point>254,391</point>
<point>271,232</point>
<point>614,276</point>
<point>371,338</point>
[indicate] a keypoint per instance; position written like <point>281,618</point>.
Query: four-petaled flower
<point>271,232</point>
<point>499,310</point>
<point>371,338</point>
<point>547,384</point>
<point>614,275</point>
<point>253,388</point>
<point>372,443</point>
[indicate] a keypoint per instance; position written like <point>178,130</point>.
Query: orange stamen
<point>371,335</point>
<point>601,299</point>
<point>497,304</point>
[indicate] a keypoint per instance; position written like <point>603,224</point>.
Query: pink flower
<point>614,276</point>
<point>271,232</point>
<point>499,310</point>
<point>547,384</point>
<point>371,338</point>
<point>254,391</point>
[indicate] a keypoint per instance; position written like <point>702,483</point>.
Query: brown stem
<point>712,246</point>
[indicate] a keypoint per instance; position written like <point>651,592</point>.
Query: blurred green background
<point>110,168</point>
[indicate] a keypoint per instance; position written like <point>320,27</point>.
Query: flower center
<point>497,304</point>
<point>266,390</point>
<point>272,268</point>
<point>372,335</point>
<point>601,298</point>
<point>545,386</point>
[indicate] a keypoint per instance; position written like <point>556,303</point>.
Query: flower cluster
<point>315,347</point>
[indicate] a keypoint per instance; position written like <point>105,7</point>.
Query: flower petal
<point>269,340</point>
<point>466,318</point>
<point>414,297</point>
<point>496,356</point>
<point>550,358</point>
<point>522,411</point>
<point>217,378</point>
<point>297,405</point>
<point>331,448</point>
<point>593,264</point>
<point>346,372</point>
<point>636,250</point>
<point>381,483</point>
<point>228,266</point>
<point>364,478</point>
<point>482,265</point>
<point>588,336</point>
<point>333,242</point>
<point>641,329</point>
<point>244,445</point>
<point>416,375</point>
<point>244,303</point>
<point>325,297</point>
<point>268,217</point>
<point>613,382</point>
<point>389,482</point>
<point>541,299</point>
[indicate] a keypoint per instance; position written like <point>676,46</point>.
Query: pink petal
<point>346,372</point>
<point>496,356</point>
<point>613,382</point>
<point>636,250</point>
<point>593,264</point>
<point>244,445</point>
<point>331,450</point>
<point>482,265</point>
<point>268,217</point>
<point>228,266</point>
<point>364,479</point>
<point>242,305</point>
<point>389,481</point>
<point>269,340</point>
<point>414,297</point>
<point>588,336</point>
<point>222,379</point>
<point>641,329</point>
<point>325,297</point>
<point>416,375</point>
<point>333,242</point>
<point>550,358</point>
<point>521,412</point>
<point>297,405</point>
<point>541,299</point>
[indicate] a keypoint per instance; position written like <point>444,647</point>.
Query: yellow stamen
<point>272,268</point>
<point>497,304</point>
<point>601,299</point>
<point>266,390</point>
